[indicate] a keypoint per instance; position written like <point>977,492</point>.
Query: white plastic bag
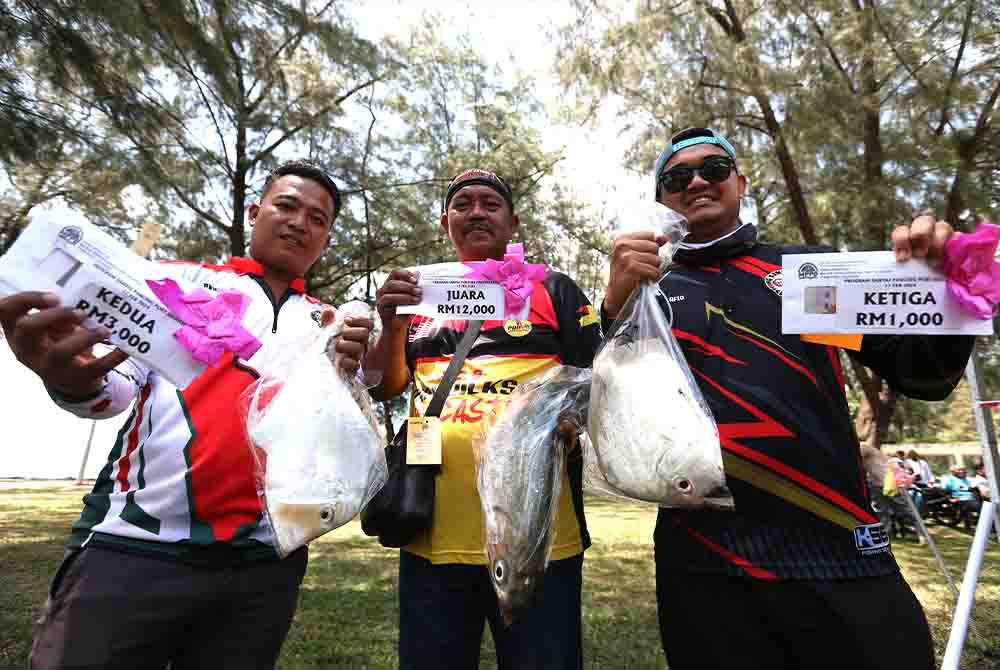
<point>318,447</point>
<point>652,436</point>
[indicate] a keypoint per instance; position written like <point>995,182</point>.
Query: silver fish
<point>317,443</point>
<point>653,438</point>
<point>520,469</point>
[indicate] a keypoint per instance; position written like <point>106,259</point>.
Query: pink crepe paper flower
<point>973,275</point>
<point>212,323</point>
<point>517,277</point>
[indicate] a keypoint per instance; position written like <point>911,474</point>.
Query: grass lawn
<point>347,613</point>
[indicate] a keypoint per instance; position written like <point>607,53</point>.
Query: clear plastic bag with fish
<point>317,443</point>
<point>652,437</point>
<point>520,460</point>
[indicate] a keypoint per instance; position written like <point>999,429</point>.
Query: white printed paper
<point>447,293</point>
<point>89,270</point>
<point>869,292</point>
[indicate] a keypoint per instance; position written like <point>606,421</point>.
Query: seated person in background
<point>980,482</point>
<point>960,489</point>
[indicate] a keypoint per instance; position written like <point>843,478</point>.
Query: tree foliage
<point>195,101</point>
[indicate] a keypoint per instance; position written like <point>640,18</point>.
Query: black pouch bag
<point>405,505</point>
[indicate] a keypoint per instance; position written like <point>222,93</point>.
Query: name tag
<point>423,440</point>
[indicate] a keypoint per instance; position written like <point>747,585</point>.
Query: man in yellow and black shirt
<point>444,587</point>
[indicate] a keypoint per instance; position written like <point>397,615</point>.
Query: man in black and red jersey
<point>802,570</point>
<point>170,561</point>
<point>445,594</point>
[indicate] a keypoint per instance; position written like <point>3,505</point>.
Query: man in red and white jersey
<point>170,561</point>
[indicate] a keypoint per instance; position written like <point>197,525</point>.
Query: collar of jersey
<point>736,243</point>
<point>248,266</point>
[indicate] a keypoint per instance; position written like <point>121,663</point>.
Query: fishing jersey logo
<point>516,328</point>
<point>317,316</point>
<point>871,539</point>
<point>774,282</point>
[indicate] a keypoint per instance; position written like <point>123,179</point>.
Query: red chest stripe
<point>223,492</point>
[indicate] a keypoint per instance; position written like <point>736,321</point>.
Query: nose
<point>298,220</point>
<point>697,182</point>
<point>478,210</point>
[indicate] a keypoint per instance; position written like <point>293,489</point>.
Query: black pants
<point>443,608</point>
<point>109,609</point>
<point>715,621</point>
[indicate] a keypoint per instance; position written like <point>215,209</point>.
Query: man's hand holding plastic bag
<point>652,436</point>
<point>317,444</point>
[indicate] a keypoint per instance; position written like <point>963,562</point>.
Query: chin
<point>284,265</point>
<point>475,252</point>
<point>708,230</point>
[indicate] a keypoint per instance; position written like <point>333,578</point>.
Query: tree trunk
<point>876,200</point>
<point>875,415</point>
<point>237,236</point>
<point>887,405</point>
<point>733,26</point>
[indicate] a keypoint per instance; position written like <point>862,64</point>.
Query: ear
<point>444,225</point>
<point>742,186</point>
<point>515,222</point>
<point>254,209</point>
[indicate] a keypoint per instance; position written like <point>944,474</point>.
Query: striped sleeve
<point>121,386</point>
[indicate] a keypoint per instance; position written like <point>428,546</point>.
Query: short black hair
<point>306,170</point>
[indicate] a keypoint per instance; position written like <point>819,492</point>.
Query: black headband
<point>481,178</point>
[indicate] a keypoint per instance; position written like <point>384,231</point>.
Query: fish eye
<point>499,573</point>
<point>684,486</point>
<point>326,514</point>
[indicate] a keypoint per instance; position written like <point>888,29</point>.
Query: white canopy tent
<point>42,441</point>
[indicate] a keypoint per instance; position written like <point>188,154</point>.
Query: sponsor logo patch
<point>871,539</point>
<point>516,328</point>
<point>774,282</point>
<point>808,271</point>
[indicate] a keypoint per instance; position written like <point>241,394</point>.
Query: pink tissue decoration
<point>973,275</point>
<point>213,323</point>
<point>517,277</point>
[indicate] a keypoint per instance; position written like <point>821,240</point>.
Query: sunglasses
<point>714,170</point>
